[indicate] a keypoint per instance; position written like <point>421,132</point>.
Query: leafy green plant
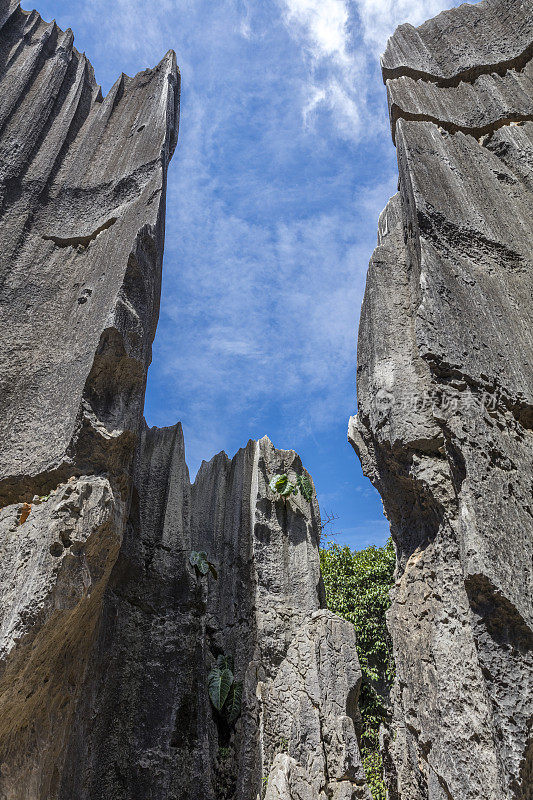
<point>357,587</point>
<point>280,484</point>
<point>219,681</point>
<point>373,768</point>
<point>305,486</point>
<point>224,691</point>
<point>200,561</point>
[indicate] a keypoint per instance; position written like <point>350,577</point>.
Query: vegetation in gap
<point>357,588</point>
<point>224,691</point>
<point>201,563</point>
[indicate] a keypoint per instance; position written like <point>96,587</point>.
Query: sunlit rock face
<point>108,632</point>
<point>444,386</point>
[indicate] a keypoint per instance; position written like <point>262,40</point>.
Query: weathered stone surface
<point>107,633</point>
<point>445,410</point>
<point>164,626</point>
<point>54,570</point>
<point>308,711</point>
<point>463,43</point>
<point>82,191</point>
<point>478,108</point>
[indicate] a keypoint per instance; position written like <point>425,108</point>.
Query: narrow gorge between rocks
<point>125,586</point>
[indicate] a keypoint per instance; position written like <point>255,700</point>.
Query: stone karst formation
<point>445,413</point>
<point>107,632</point>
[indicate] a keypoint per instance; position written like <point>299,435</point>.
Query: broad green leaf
<point>202,566</point>
<point>218,684</point>
<point>193,558</point>
<point>225,662</point>
<point>305,486</point>
<point>288,489</point>
<point>278,482</point>
<point>232,707</point>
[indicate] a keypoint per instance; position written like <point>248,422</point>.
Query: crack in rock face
<point>445,408</point>
<point>80,241</point>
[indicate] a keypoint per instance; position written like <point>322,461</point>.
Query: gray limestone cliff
<point>107,633</point>
<point>445,409</point>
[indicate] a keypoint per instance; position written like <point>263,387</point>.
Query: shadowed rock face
<point>145,725</point>
<point>445,384</point>
<point>107,633</point>
<point>82,193</point>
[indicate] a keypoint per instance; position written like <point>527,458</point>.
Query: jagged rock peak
<point>264,610</point>
<point>82,194</point>
<point>445,410</point>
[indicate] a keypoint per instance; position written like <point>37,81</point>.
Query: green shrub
<point>357,588</point>
<point>374,774</point>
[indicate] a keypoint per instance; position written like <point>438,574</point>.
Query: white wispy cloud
<point>325,23</point>
<point>335,67</point>
<point>341,41</point>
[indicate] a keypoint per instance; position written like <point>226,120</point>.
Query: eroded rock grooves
<point>107,634</point>
<point>445,412</point>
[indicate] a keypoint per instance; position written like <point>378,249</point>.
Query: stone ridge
<point>82,223</point>
<point>445,403</point>
<point>463,43</point>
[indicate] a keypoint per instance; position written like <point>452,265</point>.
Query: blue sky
<point>283,164</point>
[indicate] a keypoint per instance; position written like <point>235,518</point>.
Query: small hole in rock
<point>142,127</point>
<point>56,549</point>
<point>65,539</point>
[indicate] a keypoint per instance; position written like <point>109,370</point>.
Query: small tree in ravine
<point>357,589</point>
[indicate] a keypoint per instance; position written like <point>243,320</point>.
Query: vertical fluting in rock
<point>445,413</point>
<point>82,190</point>
<point>82,197</point>
<point>107,631</point>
